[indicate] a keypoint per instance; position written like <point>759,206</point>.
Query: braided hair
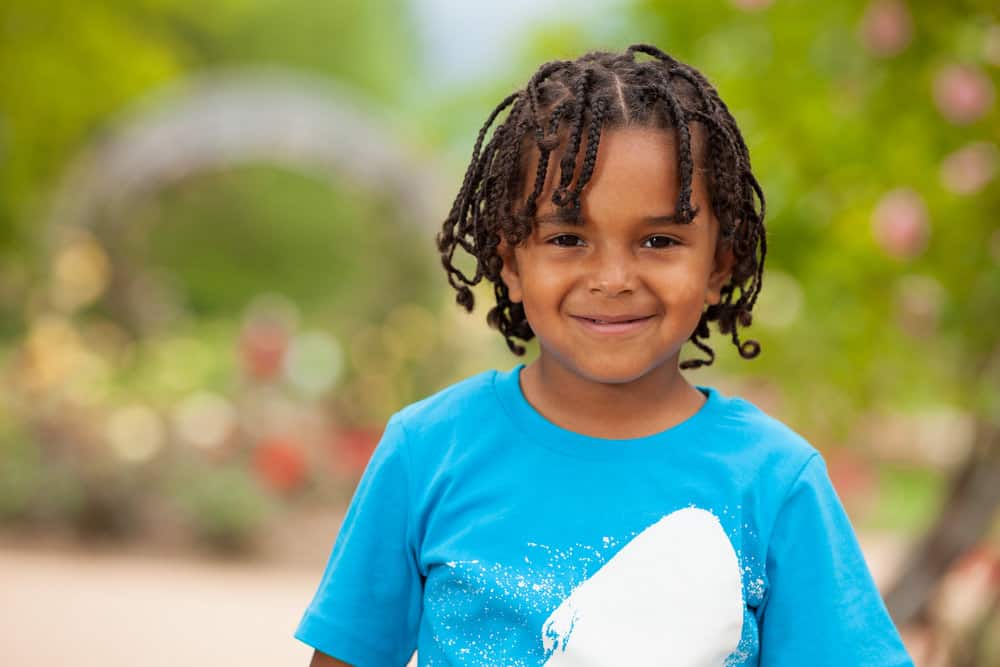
<point>604,90</point>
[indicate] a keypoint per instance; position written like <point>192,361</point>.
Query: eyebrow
<point>564,218</point>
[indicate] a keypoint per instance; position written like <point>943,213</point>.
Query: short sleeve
<point>366,611</point>
<point>822,606</point>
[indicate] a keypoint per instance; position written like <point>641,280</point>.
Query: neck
<point>646,405</point>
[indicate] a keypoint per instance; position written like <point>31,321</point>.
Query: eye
<point>568,238</point>
<point>660,241</point>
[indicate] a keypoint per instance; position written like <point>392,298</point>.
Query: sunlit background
<point>218,280</point>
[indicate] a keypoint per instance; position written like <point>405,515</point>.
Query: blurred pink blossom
<point>887,27</point>
<point>971,167</point>
<point>901,223</point>
<point>750,5</point>
<point>963,93</point>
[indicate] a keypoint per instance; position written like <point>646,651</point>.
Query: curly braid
<point>605,90</point>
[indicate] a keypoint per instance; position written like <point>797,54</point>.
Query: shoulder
<point>740,419</point>
<point>462,402</point>
<point>443,430</point>
<point>773,449</point>
<point>770,458</point>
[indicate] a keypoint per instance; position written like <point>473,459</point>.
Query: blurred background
<point>218,280</point>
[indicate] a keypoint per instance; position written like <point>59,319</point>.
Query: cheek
<point>681,285</point>
<point>545,294</point>
<point>546,281</point>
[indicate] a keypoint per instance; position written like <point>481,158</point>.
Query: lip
<point>614,318</point>
<point>614,325</point>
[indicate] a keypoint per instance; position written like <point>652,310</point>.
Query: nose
<point>613,273</point>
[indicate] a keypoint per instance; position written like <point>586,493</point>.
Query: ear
<point>722,271</point>
<point>509,271</point>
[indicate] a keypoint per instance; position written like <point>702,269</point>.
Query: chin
<point>613,370</point>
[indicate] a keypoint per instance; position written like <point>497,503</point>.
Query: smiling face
<point>626,260</point>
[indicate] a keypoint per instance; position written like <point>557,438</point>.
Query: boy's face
<point>626,260</point>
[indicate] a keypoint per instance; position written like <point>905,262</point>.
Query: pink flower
<point>751,5</point>
<point>901,223</point>
<point>970,168</point>
<point>887,27</point>
<point>962,93</point>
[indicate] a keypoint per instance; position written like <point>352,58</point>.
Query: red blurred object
<point>280,463</point>
<point>353,447</point>
<point>982,563</point>
<point>262,348</point>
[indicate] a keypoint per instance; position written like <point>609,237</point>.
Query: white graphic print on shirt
<point>671,596</point>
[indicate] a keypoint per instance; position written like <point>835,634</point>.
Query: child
<point>592,507</point>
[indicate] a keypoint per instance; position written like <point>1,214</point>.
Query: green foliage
<point>831,128</point>
<point>906,500</point>
<point>321,244</point>
<point>20,475</point>
<point>68,74</point>
<point>62,76</point>
<point>68,69</point>
<point>33,490</point>
<point>224,506</point>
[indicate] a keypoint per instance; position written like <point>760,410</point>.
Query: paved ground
<point>74,609</point>
<point>115,609</point>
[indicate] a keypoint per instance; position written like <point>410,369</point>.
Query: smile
<point>612,328</point>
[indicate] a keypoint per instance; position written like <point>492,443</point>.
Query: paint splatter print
<point>670,594</point>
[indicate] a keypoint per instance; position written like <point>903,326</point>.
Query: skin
<point>323,660</point>
<point>624,386</point>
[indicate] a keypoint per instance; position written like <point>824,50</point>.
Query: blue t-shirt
<point>482,533</point>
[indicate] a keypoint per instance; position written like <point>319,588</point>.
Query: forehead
<point>636,170</point>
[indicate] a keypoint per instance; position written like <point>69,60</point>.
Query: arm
<point>366,609</point>
<point>323,660</point>
<point>822,607</point>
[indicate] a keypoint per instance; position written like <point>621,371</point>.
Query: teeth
<point>596,321</point>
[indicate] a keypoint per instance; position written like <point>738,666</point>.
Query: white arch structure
<point>230,117</point>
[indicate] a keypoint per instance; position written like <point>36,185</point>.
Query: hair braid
<point>546,142</point>
<point>590,158</point>
<point>447,238</point>
<point>568,164</point>
<point>683,211</point>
